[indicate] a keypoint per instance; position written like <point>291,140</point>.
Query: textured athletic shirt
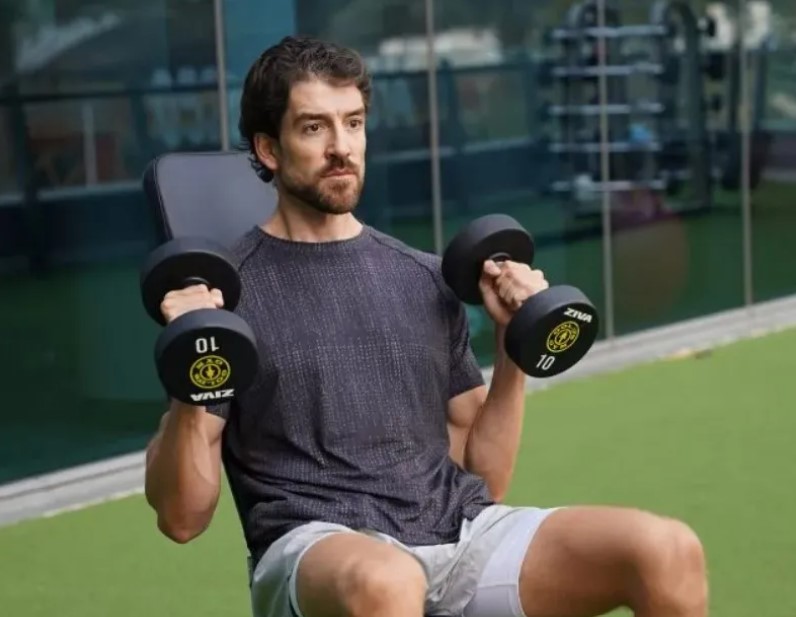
<point>361,346</point>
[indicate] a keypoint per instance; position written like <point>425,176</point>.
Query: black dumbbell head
<point>495,236</point>
<point>206,356</point>
<point>552,331</point>
<point>185,261</point>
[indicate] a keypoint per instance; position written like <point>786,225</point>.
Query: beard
<point>328,194</point>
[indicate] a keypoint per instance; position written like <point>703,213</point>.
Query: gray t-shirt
<point>361,346</point>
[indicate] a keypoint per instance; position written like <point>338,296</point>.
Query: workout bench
<point>215,195</point>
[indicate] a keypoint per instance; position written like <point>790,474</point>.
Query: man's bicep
<point>465,371</point>
<point>463,411</point>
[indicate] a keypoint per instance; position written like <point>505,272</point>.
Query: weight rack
<point>657,153</point>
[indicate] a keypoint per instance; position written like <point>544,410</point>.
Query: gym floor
<point>707,439</point>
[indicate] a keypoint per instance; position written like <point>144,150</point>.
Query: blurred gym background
<point>665,191</point>
<point>660,178</point>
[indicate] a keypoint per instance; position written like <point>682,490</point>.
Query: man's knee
<point>672,566</point>
<point>369,586</point>
<point>672,546</point>
<point>353,575</point>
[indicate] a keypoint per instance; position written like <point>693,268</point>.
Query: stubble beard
<point>328,195</point>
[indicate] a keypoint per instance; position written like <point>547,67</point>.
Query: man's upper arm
<point>463,410</point>
<point>467,387</point>
<point>465,372</point>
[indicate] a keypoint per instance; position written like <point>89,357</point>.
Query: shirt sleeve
<point>222,410</point>
<point>465,372</point>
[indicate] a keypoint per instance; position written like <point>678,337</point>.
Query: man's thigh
<point>320,569</point>
<point>273,592</point>
<point>583,561</point>
<point>356,574</point>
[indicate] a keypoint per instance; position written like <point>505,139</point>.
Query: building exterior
<point>664,190</point>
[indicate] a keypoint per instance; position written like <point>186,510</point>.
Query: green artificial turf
<point>707,439</point>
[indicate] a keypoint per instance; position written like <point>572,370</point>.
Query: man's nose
<point>339,145</point>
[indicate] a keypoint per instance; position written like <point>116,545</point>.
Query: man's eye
<point>312,128</point>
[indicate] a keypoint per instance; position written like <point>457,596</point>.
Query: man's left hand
<point>505,287</point>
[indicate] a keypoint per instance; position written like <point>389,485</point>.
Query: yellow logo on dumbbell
<point>563,336</point>
<point>210,372</point>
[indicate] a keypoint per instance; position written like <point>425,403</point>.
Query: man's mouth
<point>338,172</point>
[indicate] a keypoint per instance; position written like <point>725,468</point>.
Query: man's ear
<point>267,150</point>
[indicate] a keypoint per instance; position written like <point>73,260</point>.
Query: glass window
<point>771,91</point>
<point>676,224</point>
<point>503,146</point>
<point>90,92</point>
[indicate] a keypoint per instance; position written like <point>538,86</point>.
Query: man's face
<point>320,157</point>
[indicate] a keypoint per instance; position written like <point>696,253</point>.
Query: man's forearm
<point>182,474</point>
<point>494,439</point>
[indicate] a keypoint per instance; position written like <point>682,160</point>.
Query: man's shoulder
<point>242,249</point>
<point>395,247</point>
<point>413,262</point>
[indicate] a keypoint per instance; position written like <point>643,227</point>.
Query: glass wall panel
<point>673,103</point>
<point>84,106</point>
<point>90,92</point>
<point>505,147</point>
<point>771,86</point>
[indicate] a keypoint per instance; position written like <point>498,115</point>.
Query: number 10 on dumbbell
<point>206,355</point>
<point>553,329</point>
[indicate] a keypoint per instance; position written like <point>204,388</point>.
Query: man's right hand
<point>179,302</point>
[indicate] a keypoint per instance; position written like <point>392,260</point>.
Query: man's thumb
<point>491,268</point>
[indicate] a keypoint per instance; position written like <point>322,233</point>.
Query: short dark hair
<point>267,85</point>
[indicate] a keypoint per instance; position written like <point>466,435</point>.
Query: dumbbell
<point>206,355</point>
<point>553,329</point>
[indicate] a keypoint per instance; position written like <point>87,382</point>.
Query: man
<point>369,459</point>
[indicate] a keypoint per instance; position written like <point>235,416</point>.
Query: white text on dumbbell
<point>211,396</point>
<point>203,346</point>
<point>545,362</point>
<point>571,312</point>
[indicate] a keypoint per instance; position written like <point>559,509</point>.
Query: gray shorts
<point>477,576</point>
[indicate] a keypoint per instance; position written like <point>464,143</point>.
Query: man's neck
<point>305,224</point>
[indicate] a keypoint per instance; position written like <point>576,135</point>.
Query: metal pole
<point>89,143</point>
<point>221,71</point>
<point>433,114</point>
<point>605,172</point>
<point>746,145</point>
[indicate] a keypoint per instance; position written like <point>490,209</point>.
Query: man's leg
<point>353,575</point>
<point>585,561</point>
